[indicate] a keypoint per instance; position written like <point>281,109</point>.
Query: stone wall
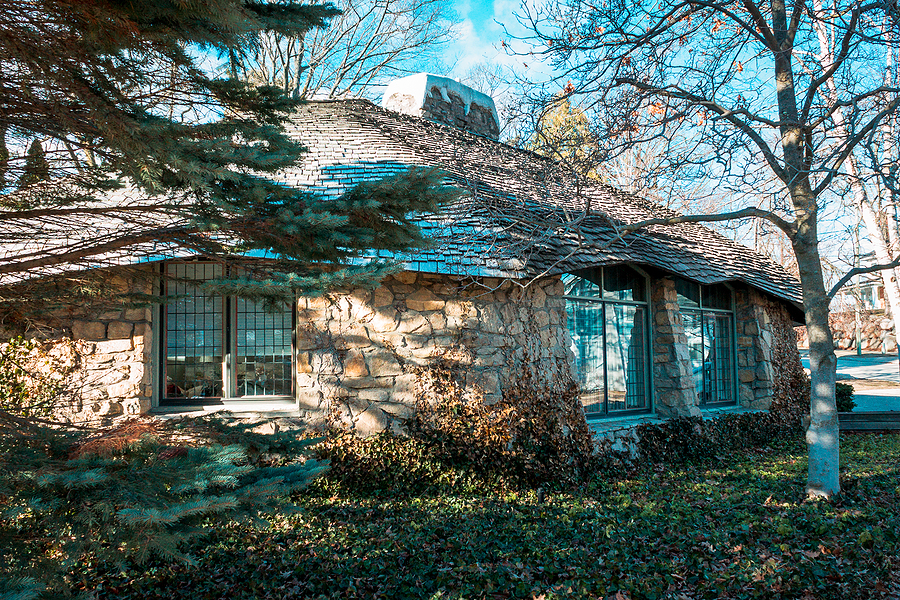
<point>676,395</point>
<point>472,117</point>
<point>753,323</point>
<point>109,349</point>
<point>366,358</point>
<point>755,316</point>
<point>877,331</point>
<point>115,374</point>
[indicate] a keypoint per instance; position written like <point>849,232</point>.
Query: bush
<point>533,436</point>
<point>843,395</point>
<point>467,450</point>
<point>143,488</point>
<point>390,465</point>
<point>695,439</point>
<point>34,375</point>
<point>458,445</point>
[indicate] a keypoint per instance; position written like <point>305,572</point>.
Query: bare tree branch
<point>372,40</point>
<point>787,227</point>
<point>861,271</point>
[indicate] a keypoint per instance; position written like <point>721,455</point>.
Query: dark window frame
<point>229,347</point>
<point>605,302</point>
<point>701,311</point>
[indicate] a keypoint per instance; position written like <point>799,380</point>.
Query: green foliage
<point>36,166</point>
<point>735,530</point>
<point>692,439</point>
<point>463,447</point>
<point>389,465</point>
<point>134,106</point>
<point>4,157</point>
<point>33,376</point>
<point>843,395</point>
<point>140,490</point>
<point>305,231</point>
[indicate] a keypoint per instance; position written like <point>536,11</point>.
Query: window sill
<point>733,409</point>
<point>605,425</point>
<point>263,408</point>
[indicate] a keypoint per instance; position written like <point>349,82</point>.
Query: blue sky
<point>480,33</point>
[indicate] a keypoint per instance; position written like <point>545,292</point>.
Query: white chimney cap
<point>407,95</point>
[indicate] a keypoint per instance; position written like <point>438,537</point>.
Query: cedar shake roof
<point>523,216</point>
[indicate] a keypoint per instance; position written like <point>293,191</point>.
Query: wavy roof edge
<point>509,185</point>
<point>501,172</point>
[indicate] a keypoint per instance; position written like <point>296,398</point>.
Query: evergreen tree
<point>4,158</point>
<point>142,490</point>
<point>119,85</point>
<point>127,97</point>
<point>36,166</point>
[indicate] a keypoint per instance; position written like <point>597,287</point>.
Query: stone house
<point>528,283</point>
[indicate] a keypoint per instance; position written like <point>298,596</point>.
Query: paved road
<point>877,367</point>
<point>881,367</point>
<point>877,400</point>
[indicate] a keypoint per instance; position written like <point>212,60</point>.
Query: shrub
<point>140,489</point>
<point>392,465</point>
<point>694,439</point>
<point>34,375</point>
<point>468,448</point>
<point>532,437</point>
<point>843,395</point>
<point>464,446</point>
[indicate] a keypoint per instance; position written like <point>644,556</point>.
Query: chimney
<point>443,100</point>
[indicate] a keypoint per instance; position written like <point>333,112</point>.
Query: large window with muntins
<point>607,315</point>
<point>708,315</point>
<point>218,348</point>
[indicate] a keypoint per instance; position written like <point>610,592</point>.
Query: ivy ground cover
<point>736,528</point>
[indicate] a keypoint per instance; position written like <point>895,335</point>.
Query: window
<point>708,318</point>
<point>218,348</point>
<point>607,313</point>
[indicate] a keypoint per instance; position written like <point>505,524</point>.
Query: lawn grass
<point>736,528</point>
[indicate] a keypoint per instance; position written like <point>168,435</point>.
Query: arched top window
<point>692,295</point>
<point>607,317</point>
<point>617,283</point>
<point>707,315</point>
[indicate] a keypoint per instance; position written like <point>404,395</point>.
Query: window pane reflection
<point>586,326</point>
<point>623,283</point>
<point>694,333</point>
<point>710,347</point>
<point>194,331</point>
<point>721,376</point>
<point>609,338</point>
<point>202,330</point>
<point>263,358</point>
<point>625,357</point>
<point>585,284</point>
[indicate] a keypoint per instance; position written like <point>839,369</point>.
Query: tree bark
<point>883,255</point>
<point>822,433</point>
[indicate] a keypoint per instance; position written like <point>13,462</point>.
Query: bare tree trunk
<point>822,433</point>
<point>883,239</point>
<point>883,254</point>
